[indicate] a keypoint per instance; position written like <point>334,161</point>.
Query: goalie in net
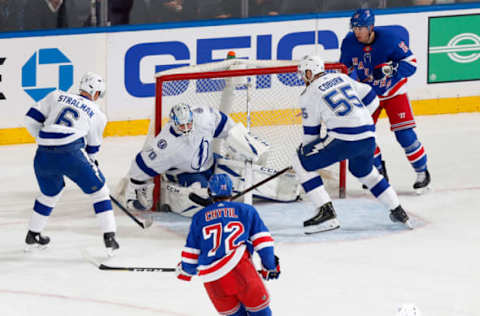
<point>183,153</point>
<point>259,95</point>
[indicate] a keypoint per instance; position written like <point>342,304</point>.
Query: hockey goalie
<point>182,153</point>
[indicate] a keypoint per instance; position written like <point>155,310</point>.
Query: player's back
<point>224,227</point>
<point>335,99</point>
<point>68,117</point>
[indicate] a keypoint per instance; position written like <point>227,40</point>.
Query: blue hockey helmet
<point>362,18</point>
<point>220,185</point>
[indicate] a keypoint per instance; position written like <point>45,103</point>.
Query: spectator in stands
<point>264,7</point>
<point>301,6</point>
<point>156,11</point>
<point>40,15</point>
<point>119,11</point>
<point>11,15</point>
<point>210,9</point>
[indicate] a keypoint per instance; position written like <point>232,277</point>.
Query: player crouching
<point>183,154</point>
<point>216,250</point>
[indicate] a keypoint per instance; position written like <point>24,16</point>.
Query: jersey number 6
<point>234,228</point>
<point>341,101</point>
<point>67,116</point>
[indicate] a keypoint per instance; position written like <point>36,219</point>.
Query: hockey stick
<point>135,269</point>
<point>147,223</point>
<point>205,202</point>
<point>105,267</point>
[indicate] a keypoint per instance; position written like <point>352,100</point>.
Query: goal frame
<point>195,75</point>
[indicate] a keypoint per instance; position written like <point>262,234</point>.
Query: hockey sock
<point>377,159</point>
<point>413,149</point>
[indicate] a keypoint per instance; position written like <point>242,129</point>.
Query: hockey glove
<point>139,195</point>
<point>386,70</point>
<point>181,274</point>
<point>271,274</point>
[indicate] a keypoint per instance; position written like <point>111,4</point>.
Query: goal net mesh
<point>263,95</point>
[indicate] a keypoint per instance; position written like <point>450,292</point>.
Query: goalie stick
<point>148,221</point>
<point>205,202</point>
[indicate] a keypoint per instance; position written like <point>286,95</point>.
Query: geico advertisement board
<point>32,67</point>
<point>142,54</point>
<point>446,44</point>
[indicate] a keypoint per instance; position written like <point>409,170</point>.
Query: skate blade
<point>424,190</point>
<point>322,227</point>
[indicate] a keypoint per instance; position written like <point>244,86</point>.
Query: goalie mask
<point>313,63</point>
<point>181,117</point>
<point>91,83</point>
<point>220,185</point>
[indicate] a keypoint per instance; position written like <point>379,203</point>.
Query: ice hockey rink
<point>367,268</point>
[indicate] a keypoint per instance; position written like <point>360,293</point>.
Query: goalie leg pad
<point>244,144</point>
<point>176,197</point>
<point>284,188</point>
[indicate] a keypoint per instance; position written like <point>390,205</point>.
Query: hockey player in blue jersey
<point>380,57</point>
<point>68,129</point>
<point>216,251</point>
<point>344,106</point>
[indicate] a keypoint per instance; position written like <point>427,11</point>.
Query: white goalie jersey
<point>172,153</point>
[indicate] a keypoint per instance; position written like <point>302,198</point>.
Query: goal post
<point>262,94</point>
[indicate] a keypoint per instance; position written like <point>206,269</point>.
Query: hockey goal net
<point>263,95</point>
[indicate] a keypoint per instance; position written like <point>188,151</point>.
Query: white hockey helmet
<point>181,117</point>
<point>91,83</point>
<point>314,63</point>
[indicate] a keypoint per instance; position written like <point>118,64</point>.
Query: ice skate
<point>110,243</point>
<point>325,220</point>
<point>422,184</point>
<point>36,240</point>
<point>399,215</point>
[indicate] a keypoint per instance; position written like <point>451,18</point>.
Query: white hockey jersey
<point>174,153</point>
<point>342,104</point>
<point>61,118</point>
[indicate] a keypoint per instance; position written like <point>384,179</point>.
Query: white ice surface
<point>368,267</point>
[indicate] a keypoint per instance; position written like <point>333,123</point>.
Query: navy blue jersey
<point>218,236</point>
<point>390,45</point>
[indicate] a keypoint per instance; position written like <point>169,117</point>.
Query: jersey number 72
<point>235,229</point>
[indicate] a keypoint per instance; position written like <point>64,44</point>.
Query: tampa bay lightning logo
<point>200,156</point>
<point>162,144</point>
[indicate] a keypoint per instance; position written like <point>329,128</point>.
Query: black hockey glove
<point>386,70</point>
<point>271,274</point>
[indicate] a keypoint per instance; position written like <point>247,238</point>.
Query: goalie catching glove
<point>386,70</point>
<point>244,144</point>
<point>139,195</point>
<point>271,274</point>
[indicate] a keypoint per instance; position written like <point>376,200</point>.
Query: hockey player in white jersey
<point>68,129</point>
<point>183,153</point>
<point>345,107</point>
